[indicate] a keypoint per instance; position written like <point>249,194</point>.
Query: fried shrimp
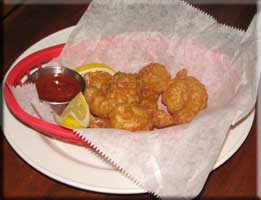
<point>150,105</point>
<point>97,122</point>
<point>132,117</point>
<point>160,118</point>
<point>131,101</point>
<point>90,93</point>
<point>97,79</point>
<point>122,88</point>
<point>154,80</point>
<point>94,82</point>
<point>185,97</point>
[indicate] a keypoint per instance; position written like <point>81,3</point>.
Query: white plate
<point>78,166</point>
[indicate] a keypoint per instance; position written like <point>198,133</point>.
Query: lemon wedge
<point>93,67</point>
<point>76,114</point>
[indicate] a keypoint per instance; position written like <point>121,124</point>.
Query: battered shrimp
<point>130,101</point>
<point>122,88</point>
<point>154,80</point>
<point>90,93</point>
<point>94,82</point>
<point>97,122</point>
<point>185,97</point>
<point>132,117</point>
<point>150,105</point>
<point>97,79</point>
<point>160,118</point>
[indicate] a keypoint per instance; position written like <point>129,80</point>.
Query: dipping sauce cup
<point>57,85</point>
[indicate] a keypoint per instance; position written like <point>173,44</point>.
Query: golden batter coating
<point>132,117</point>
<point>122,88</point>
<point>162,119</point>
<point>90,93</point>
<point>97,79</point>
<point>97,122</point>
<point>150,105</point>
<point>185,97</point>
<point>154,79</point>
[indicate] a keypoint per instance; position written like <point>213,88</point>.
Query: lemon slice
<point>93,67</point>
<point>76,114</point>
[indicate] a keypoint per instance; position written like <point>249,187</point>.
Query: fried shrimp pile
<point>130,101</point>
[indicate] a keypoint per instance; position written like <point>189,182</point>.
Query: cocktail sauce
<point>57,87</point>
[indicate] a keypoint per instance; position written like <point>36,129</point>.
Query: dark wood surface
<point>28,24</point>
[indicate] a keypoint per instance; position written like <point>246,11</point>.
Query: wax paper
<point>28,99</point>
<point>129,34</point>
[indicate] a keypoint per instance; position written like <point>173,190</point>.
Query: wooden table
<point>27,24</point>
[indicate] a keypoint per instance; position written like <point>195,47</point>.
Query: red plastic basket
<point>16,76</point>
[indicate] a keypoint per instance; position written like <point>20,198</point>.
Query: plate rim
<point>137,190</point>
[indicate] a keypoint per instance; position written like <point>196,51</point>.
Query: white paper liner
<point>44,110</point>
<point>28,99</point>
<point>24,95</point>
<point>171,162</point>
